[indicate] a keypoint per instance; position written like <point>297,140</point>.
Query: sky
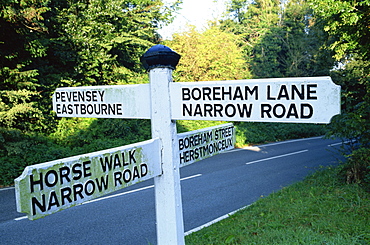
<point>194,12</point>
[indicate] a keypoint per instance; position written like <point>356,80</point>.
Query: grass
<point>322,209</point>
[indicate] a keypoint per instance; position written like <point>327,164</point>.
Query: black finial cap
<point>160,56</point>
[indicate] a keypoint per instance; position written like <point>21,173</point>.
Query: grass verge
<point>322,209</point>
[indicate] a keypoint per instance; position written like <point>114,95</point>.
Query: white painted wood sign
<point>46,188</point>
<point>297,100</point>
<point>114,101</point>
<point>203,143</point>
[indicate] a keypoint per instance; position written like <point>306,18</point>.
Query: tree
<point>283,38</point>
<point>348,23</point>
<point>208,56</point>
<point>21,37</point>
<point>51,43</point>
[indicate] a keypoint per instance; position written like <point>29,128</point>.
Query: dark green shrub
<point>357,168</point>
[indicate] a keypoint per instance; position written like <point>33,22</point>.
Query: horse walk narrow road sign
<point>49,187</point>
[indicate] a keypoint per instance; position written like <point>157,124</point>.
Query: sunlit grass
<point>319,210</point>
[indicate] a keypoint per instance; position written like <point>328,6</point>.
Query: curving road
<point>211,189</point>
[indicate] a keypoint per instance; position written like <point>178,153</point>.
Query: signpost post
<point>49,187</point>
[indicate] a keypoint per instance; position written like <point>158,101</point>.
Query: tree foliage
<point>52,43</point>
<point>348,22</point>
<point>283,38</point>
<point>208,56</point>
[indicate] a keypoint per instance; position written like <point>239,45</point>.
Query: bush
<point>357,168</point>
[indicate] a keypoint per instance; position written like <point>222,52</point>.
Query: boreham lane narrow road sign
<point>299,100</point>
<point>49,187</point>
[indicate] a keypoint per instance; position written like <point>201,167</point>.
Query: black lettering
<point>70,109</point>
<point>136,173</point>
<point>132,156</point>
<point>208,109</point>
<point>88,96</point>
<point>196,94</point>
<point>64,174</point>
<point>83,108</point>
<point>245,111</point>
<point>111,109</point>
<point>66,195</point>
<point>117,178</point>
<point>77,191</point>
<point>292,111</point>
<point>126,175</point>
<point>198,110</point>
<point>76,169</point>
<point>227,111</point>
<point>144,169</point>
<point>106,165</point>
<point>228,93</point>
<point>81,96</point>
<point>119,109</point>
<point>238,93</point>
<point>207,93</point>
<point>185,94</point>
<point>310,90</point>
<point>37,182</point>
<point>51,178</point>
<point>69,96</point>
<point>251,92</point>
<point>64,109</point>
<point>101,93</point>
<point>86,168</point>
<point>303,109</point>
<point>217,108</point>
<point>296,91</point>
<point>53,200</point>
<point>89,187</point>
<point>181,144</point>
<point>282,111</point>
<point>182,158</point>
<point>97,109</point>
<point>117,161</point>
<point>41,206</point>
<point>191,155</point>
<point>186,110</point>
<point>283,93</point>
<point>103,183</point>
<point>268,93</point>
<point>216,93</point>
<point>58,108</point>
<point>266,109</point>
<point>90,109</point>
<point>104,109</point>
<point>57,96</point>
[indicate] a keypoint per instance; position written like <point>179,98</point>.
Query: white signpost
<point>46,188</point>
<point>115,101</point>
<point>297,100</point>
<point>49,187</point>
<point>203,143</point>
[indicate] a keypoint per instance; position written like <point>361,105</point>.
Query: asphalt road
<point>211,188</point>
